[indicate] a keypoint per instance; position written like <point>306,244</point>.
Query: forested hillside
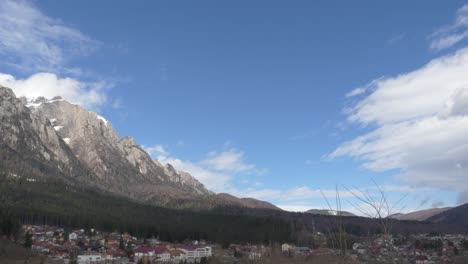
<point>54,203</point>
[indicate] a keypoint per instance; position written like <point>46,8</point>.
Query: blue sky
<point>254,97</point>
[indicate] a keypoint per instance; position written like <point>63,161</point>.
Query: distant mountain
<point>421,215</point>
<point>329,212</point>
<point>54,138</point>
<point>456,216</point>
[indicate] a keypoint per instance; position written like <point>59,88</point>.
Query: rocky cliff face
<point>119,162</point>
<point>52,137</point>
<point>30,146</point>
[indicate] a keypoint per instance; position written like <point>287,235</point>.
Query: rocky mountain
<point>329,212</point>
<point>421,215</point>
<point>120,163</point>
<point>55,137</point>
<point>31,148</point>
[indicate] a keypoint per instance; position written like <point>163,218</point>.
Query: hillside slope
<point>457,216</point>
<point>421,215</point>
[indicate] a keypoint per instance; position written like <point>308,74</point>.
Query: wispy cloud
<point>298,207</point>
<point>230,160</point>
<point>299,193</point>
<point>363,89</point>
<point>395,39</point>
<point>213,180</point>
<point>448,36</point>
<point>157,150</point>
<point>216,171</point>
<point>43,47</point>
<point>32,41</point>
<point>418,123</point>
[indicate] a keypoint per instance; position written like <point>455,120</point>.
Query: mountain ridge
<point>87,150</point>
<point>457,216</point>
<point>420,215</point>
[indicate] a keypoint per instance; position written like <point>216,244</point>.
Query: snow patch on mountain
<point>103,119</point>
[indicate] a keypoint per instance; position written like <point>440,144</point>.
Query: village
<point>90,246</point>
<point>419,249</point>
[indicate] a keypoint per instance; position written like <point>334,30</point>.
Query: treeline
<point>53,202</point>
<point>303,225</point>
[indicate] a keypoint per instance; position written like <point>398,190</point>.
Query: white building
<point>287,248</point>
<point>195,252</point>
<point>162,254</point>
<point>72,236</point>
<point>90,259</point>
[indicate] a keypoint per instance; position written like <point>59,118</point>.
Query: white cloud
<point>157,149</point>
<point>419,125</point>
<point>42,46</point>
<point>32,41</point>
<point>450,35</point>
<point>420,93</point>
<point>395,39</point>
<point>231,160</point>
<point>292,194</point>
<point>49,85</point>
<point>213,175</point>
<point>291,199</point>
<point>401,188</point>
<point>216,172</point>
<point>213,180</point>
<point>364,89</point>
<point>297,207</point>
<point>220,169</point>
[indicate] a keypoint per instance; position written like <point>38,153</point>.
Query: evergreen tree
<point>65,235</point>
<point>28,240</point>
<point>464,244</point>
<point>122,244</point>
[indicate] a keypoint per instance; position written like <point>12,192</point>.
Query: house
<point>302,251</point>
<point>422,260</point>
<point>90,259</point>
<point>145,253</point>
<point>177,255</point>
<point>162,254</point>
<point>201,252</point>
<point>40,246</point>
<point>356,246</point>
<point>287,248</point>
<point>194,251</point>
<point>255,255</point>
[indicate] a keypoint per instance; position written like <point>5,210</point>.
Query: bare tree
<point>339,237</point>
<point>377,206</point>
